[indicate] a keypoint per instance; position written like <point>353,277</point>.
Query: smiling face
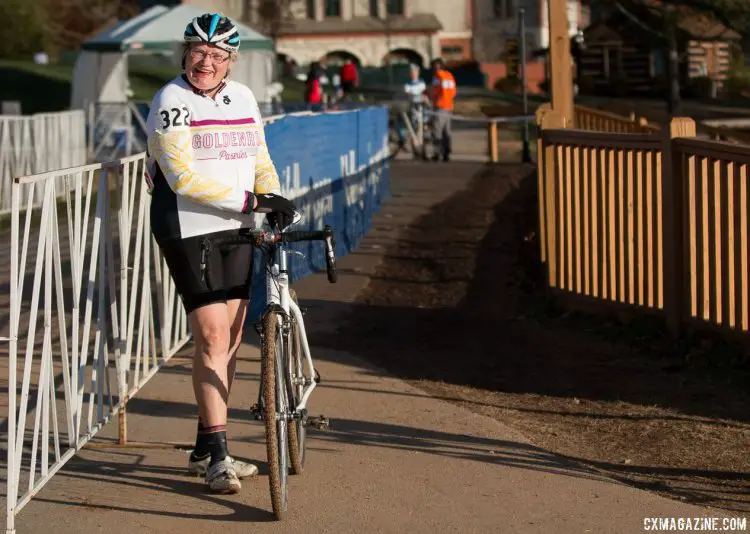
<point>206,65</point>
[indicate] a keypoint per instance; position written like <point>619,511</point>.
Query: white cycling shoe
<point>222,477</point>
<point>241,468</point>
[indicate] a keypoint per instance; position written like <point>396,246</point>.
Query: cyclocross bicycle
<point>287,374</point>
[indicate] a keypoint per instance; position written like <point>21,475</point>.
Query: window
<point>311,9</point>
<point>333,8</point>
<point>452,52</point>
<point>374,8</point>
<point>504,9</point>
<point>394,7</point>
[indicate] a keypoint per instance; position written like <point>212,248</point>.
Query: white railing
<point>97,305</point>
<point>90,263</point>
<point>39,143</point>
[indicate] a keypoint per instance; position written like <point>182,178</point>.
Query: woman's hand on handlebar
<point>282,208</point>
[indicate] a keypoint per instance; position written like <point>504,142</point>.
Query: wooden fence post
<point>540,112</point>
<point>492,141</point>
<point>548,216</point>
<point>675,234</point>
<point>561,67</point>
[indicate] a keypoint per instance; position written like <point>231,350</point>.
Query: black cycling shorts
<point>229,276</point>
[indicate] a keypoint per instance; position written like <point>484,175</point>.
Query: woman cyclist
<point>211,171</point>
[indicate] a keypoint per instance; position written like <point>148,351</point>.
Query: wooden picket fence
<point>645,218</point>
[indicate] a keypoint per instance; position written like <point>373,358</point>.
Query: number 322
<point>181,117</point>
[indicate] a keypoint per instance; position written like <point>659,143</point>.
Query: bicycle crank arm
<point>257,412</point>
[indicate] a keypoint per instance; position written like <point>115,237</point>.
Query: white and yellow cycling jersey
<point>204,156</point>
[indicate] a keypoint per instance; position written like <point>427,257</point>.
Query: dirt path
<point>458,309</point>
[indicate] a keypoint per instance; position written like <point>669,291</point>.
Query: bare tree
<point>70,22</point>
<point>52,25</point>
<point>272,15</point>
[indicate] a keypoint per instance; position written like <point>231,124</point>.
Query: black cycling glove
<point>278,205</point>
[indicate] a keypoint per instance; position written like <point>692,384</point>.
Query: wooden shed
<point>624,55</point>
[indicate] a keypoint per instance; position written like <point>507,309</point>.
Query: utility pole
<point>526,154</point>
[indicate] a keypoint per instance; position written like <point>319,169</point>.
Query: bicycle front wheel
<point>275,413</point>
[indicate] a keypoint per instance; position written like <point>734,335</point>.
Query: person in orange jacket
<point>442,92</point>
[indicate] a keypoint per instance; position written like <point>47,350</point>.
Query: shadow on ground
<point>459,308</point>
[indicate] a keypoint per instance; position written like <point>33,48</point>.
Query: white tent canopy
<point>101,72</point>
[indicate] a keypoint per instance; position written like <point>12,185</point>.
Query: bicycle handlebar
<point>325,235</point>
<point>257,238</point>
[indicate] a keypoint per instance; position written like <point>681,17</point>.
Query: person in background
<point>314,87</point>
<point>336,85</point>
<point>415,94</point>
<point>442,92</point>
<point>415,88</point>
<point>349,78</point>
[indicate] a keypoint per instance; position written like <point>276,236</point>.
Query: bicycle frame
<point>277,292</point>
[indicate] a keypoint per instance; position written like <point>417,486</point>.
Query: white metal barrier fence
<point>39,143</point>
<point>109,313</point>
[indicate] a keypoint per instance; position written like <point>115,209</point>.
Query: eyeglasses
<point>200,55</point>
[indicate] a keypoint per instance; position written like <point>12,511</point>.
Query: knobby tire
<point>274,441</point>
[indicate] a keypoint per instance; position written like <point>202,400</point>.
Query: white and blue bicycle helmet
<point>213,28</point>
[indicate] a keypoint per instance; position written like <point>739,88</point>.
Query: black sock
<point>210,441</point>
<point>200,450</point>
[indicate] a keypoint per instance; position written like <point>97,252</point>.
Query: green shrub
<point>698,87</point>
<point>736,86</point>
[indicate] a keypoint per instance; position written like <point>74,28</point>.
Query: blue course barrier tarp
<point>335,168</point>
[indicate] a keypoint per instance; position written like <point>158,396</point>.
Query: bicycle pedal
<point>321,422</point>
<point>256,411</point>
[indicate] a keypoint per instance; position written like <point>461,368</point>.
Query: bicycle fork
<point>320,422</point>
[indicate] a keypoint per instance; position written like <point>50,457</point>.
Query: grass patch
<point>39,88</point>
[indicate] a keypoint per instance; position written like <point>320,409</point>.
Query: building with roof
<point>496,22</point>
<point>366,31</point>
<point>629,55</point>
